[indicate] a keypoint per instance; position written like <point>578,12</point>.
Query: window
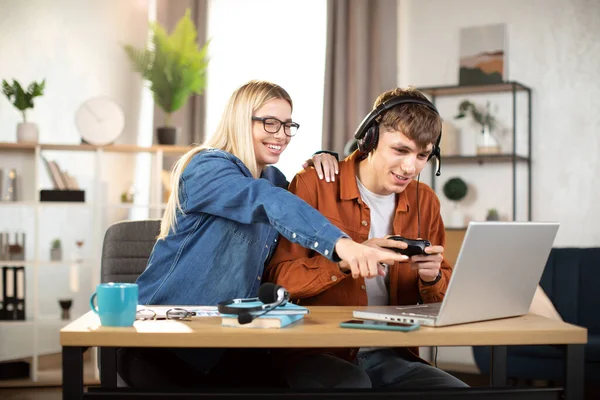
<point>241,34</point>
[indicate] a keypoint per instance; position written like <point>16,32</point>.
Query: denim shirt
<point>227,232</point>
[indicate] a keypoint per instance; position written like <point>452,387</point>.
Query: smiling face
<point>269,146</point>
<point>393,164</point>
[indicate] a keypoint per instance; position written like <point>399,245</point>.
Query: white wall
<point>554,48</point>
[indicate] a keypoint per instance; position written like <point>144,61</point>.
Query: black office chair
<point>125,251</point>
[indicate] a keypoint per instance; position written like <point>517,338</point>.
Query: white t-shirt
<point>382,216</point>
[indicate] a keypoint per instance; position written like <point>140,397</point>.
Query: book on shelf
<point>264,321</point>
<point>61,180</point>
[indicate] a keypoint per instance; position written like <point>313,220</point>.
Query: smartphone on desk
<point>379,325</point>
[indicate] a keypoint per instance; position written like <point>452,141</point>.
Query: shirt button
<point>316,244</point>
<point>326,252</point>
<point>364,223</point>
<point>258,278</point>
<point>294,235</point>
<point>275,240</point>
<point>334,278</point>
<point>266,246</point>
<point>363,287</point>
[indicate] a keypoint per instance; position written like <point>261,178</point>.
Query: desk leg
<point>574,372</point>
<point>498,366</point>
<point>108,367</point>
<point>72,372</point>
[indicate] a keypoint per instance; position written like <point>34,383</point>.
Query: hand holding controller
<point>415,246</point>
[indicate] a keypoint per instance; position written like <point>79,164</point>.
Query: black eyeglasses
<point>173,313</point>
<point>273,125</point>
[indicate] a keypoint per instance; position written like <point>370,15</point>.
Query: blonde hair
<point>233,134</point>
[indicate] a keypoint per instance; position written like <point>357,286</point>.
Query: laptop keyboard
<point>421,310</point>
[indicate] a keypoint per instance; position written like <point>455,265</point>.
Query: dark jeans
<point>381,368</point>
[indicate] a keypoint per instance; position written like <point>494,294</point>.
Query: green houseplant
<point>492,215</point>
<point>456,189</point>
<point>487,144</point>
<point>175,68</point>
<point>55,250</point>
<point>23,100</point>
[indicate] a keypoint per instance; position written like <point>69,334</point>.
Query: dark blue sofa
<point>571,279</point>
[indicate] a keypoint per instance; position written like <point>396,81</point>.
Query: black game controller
<point>415,246</point>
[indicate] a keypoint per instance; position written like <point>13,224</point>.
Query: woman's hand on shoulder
<point>325,164</point>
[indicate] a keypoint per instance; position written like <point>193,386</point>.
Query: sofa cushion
<point>570,280</point>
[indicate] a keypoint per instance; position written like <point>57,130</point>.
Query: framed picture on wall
<point>482,55</point>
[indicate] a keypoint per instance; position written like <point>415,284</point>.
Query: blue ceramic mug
<point>117,303</point>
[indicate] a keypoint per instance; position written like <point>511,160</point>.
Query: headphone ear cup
<point>436,150</point>
<point>434,153</point>
<point>369,141</point>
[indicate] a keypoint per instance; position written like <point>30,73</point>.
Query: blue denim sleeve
<point>216,185</point>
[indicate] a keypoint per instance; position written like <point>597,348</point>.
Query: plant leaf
<point>173,64</point>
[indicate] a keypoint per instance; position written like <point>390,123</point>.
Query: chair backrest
<point>126,248</point>
<point>570,280</point>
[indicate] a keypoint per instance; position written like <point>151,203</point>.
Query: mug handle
<point>92,306</point>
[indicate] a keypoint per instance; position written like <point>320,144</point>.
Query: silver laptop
<point>496,274</point>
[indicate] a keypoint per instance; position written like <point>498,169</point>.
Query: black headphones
<point>270,294</point>
<point>367,134</point>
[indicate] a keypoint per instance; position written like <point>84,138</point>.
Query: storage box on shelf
<point>104,173</point>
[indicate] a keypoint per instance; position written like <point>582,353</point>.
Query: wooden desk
<point>320,328</point>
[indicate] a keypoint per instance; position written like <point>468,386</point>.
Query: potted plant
<point>175,68</point>
<point>487,143</point>
<point>56,250</point>
<point>23,100</point>
<point>492,215</point>
<point>455,189</point>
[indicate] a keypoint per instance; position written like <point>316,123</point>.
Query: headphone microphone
<point>272,296</point>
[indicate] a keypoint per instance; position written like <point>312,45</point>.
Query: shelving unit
<point>514,157</point>
<point>39,333</point>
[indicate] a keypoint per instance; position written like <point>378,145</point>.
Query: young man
<point>374,196</point>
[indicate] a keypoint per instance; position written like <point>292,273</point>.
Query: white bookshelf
<point>39,333</point>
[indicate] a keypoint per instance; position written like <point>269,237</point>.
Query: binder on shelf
<point>9,293</point>
<point>20,293</point>
<point>2,294</point>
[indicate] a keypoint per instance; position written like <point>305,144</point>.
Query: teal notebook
<point>264,321</point>
<point>279,317</point>
<point>286,309</point>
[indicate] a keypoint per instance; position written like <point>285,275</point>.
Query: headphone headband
<point>367,134</point>
<point>229,306</point>
<point>386,105</point>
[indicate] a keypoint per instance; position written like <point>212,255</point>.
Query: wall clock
<point>100,121</point>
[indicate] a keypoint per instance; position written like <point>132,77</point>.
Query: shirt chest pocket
<point>250,233</point>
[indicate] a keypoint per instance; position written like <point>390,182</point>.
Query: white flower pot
<point>487,143</point>
<point>27,132</point>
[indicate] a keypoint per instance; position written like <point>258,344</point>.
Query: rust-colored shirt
<point>312,279</point>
